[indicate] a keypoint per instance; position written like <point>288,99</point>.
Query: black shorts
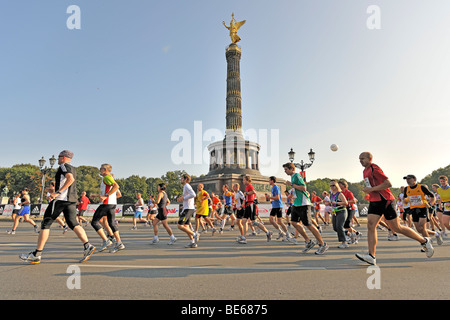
<point>105,210</point>
<point>185,216</point>
<point>54,209</point>
<point>228,210</point>
<point>418,213</point>
<point>278,212</point>
<point>405,213</point>
<point>289,210</point>
<point>383,208</point>
<point>162,214</point>
<point>250,212</point>
<point>301,214</point>
<point>240,213</point>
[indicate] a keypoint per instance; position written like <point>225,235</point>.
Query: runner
<point>202,209</point>
<point>108,191</point>
<point>406,209</point>
<point>444,194</point>
<point>417,194</point>
<point>82,207</point>
<point>381,203</point>
<point>64,200</point>
<point>23,211</point>
<point>227,208</point>
<point>188,199</point>
<point>152,209</point>
<point>289,203</point>
<point>139,211</point>
<point>239,199</point>
<point>432,211</point>
<point>353,234</point>
<point>301,211</point>
<point>327,203</point>
<point>339,214</point>
<point>316,201</point>
<point>162,203</point>
<point>250,210</point>
<point>215,208</point>
<point>276,213</point>
<point>438,211</point>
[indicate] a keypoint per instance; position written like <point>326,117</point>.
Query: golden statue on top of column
<point>234,27</point>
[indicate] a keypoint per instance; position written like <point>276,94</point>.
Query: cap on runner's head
<point>410,176</point>
<point>66,153</point>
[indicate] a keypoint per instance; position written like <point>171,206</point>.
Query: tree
<point>433,177</point>
<point>88,180</point>
<point>130,187</point>
<point>21,176</point>
<point>173,184</point>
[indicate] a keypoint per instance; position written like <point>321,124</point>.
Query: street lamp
<point>44,171</point>
<point>302,165</point>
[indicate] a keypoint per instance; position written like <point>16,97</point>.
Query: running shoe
<point>154,241</point>
<point>366,258</point>
<point>65,228</point>
<point>105,245</point>
<point>242,240</point>
<point>87,253</point>
<point>117,247</point>
<point>322,249</point>
<point>196,237</point>
<point>191,245</point>
<point>36,229</point>
<point>308,246</point>
<point>343,245</point>
<point>11,232</point>
<point>428,247</point>
<point>172,241</point>
<point>438,238</point>
<point>269,235</point>
<point>291,240</point>
<point>30,257</point>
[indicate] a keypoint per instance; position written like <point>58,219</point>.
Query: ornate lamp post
<point>44,171</point>
<point>302,165</point>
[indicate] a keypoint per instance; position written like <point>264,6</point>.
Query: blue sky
<point>115,90</point>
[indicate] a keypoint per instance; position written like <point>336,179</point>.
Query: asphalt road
<point>219,269</point>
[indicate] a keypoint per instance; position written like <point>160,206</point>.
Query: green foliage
<point>433,178</point>
<point>22,176</point>
<point>88,180</point>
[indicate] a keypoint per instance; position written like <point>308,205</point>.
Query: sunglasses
<point>332,185</point>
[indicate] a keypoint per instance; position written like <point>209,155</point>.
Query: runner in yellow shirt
<point>444,194</point>
<point>201,201</point>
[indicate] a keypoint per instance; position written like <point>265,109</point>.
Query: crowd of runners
<point>416,212</point>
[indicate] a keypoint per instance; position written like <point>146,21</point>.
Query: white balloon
<point>334,147</point>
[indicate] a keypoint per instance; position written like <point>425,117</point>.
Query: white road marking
<point>201,267</point>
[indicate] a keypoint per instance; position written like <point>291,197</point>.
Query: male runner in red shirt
<point>382,202</point>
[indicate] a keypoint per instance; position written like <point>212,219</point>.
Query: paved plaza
<point>219,269</point>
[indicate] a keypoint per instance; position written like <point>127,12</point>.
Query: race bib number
<point>367,183</point>
<point>447,206</point>
<point>415,200</point>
